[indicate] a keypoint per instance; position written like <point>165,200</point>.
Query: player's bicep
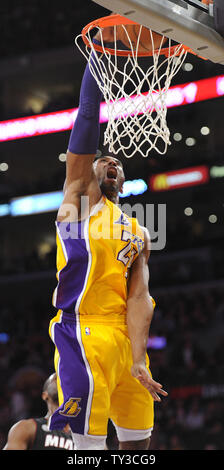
<point>80,181</point>
<point>79,172</point>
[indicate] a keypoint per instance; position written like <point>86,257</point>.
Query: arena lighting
<point>190,141</point>
<point>179,178</point>
<point>4,166</point>
<point>133,188</point>
<point>205,391</point>
<point>217,171</point>
<point>47,202</point>
<point>205,130</point>
<point>156,342</point>
<point>4,338</point>
<point>188,211</point>
<point>4,210</point>
<point>212,218</point>
<point>60,121</point>
<point>36,204</point>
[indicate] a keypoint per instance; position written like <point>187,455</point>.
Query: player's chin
<point>110,184</point>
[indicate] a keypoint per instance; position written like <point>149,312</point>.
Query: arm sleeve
<point>84,138</point>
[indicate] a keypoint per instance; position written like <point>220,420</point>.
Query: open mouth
<point>112,173</point>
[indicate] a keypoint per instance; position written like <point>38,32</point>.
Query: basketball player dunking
<point>104,306</point>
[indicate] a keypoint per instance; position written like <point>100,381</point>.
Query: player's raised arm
<point>140,310</point>
<point>82,148</point>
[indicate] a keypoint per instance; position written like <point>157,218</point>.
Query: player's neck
<point>111,192</point>
<point>113,197</point>
<point>52,407</point>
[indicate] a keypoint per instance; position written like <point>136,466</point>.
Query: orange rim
<point>115,20</point>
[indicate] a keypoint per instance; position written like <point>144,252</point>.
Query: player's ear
<point>44,396</point>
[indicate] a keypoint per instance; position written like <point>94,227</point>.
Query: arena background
<point>40,72</point>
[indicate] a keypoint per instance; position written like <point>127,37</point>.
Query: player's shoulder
<point>146,234</point>
<point>20,435</point>
<point>145,231</point>
<point>27,426</point>
<point>147,242</point>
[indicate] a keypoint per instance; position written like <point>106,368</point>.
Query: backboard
<point>188,22</point>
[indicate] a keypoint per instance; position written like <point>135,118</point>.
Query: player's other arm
<point>21,435</point>
<point>139,316</point>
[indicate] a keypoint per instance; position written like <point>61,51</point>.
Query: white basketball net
<point>136,119</point>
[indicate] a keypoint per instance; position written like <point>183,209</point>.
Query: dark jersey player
<point>34,434</point>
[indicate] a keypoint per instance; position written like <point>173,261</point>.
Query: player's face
<point>110,174</point>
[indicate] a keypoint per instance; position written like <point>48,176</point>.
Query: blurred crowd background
<point>40,72</point>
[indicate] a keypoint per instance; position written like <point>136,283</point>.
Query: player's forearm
<point>84,138</point>
<point>139,316</point>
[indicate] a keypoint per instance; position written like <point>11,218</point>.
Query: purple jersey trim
<point>73,275</point>
<point>74,377</point>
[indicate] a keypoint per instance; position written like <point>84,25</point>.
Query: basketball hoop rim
<point>118,20</point>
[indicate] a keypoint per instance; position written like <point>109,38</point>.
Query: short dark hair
<point>99,155</point>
